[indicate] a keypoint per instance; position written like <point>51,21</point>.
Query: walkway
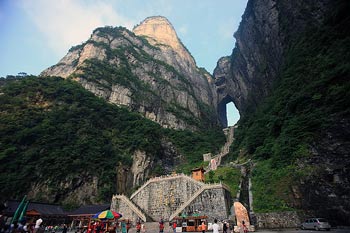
<point>224,150</point>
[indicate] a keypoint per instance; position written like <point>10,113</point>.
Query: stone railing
<point>141,188</point>
<point>132,206</point>
<point>164,178</point>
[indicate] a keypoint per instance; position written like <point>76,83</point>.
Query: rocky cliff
<point>289,58</point>
<point>147,70</point>
<point>265,33</point>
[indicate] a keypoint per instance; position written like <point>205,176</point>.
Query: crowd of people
<point>23,226</point>
<point>116,227</point>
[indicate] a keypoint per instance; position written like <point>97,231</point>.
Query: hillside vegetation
<point>53,129</point>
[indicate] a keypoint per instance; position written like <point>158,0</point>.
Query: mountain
<point>289,78</point>
<point>153,111</point>
<point>148,70</point>
<point>59,143</point>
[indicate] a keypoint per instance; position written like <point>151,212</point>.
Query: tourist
<point>138,227</point>
<point>174,226</point>
<point>243,228</point>
<point>215,226</point>
<point>26,228</point>
<point>143,228</point>
<point>98,227</point>
<point>37,225</point>
<point>161,226</point>
<point>203,226</point>
<point>128,226</point>
<point>64,228</point>
<point>224,227</point>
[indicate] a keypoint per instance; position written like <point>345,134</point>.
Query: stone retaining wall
<point>214,203</point>
<point>164,197</point>
<point>120,206</point>
<point>160,199</point>
<point>287,219</point>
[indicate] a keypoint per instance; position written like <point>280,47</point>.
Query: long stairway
<point>194,196</point>
<point>132,206</point>
<point>224,150</point>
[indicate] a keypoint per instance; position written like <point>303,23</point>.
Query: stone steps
<point>132,206</point>
<point>194,196</point>
<point>225,149</point>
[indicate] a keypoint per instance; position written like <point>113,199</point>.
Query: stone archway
<point>222,110</point>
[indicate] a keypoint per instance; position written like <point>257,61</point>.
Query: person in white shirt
<point>215,226</point>
<point>37,225</point>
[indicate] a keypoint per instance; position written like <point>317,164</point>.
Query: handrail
<point>194,196</point>
<point>131,205</point>
<point>163,178</point>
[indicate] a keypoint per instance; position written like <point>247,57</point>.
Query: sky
<point>36,34</point>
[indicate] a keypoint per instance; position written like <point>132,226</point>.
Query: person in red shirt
<point>174,226</point>
<point>128,226</point>
<point>138,227</point>
<point>161,226</point>
<point>203,226</point>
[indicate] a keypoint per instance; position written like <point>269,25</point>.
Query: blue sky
<point>36,34</point>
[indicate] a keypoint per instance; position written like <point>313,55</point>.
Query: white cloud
<point>65,23</point>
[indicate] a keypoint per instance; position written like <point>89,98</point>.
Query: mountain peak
<point>159,30</point>
<point>161,33</point>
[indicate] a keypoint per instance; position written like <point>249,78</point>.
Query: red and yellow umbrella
<point>107,214</point>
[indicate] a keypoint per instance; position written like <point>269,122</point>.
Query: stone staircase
<point>170,177</point>
<point>194,196</point>
<point>132,206</point>
<point>225,149</point>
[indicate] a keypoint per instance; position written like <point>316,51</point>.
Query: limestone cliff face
<point>267,29</point>
<point>159,32</point>
<point>148,70</point>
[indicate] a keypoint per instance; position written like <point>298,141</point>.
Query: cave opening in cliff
<point>228,113</point>
<point>232,114</point>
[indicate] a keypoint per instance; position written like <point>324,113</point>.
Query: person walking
<point>37,225</point>
<point>65,228</point>
<point>203,227</point>
<point>174,226</point>
<point>243,228</point>
<point>143,228</point>
<point>224,227</point>
<point>138,227</point>
<point>161,226</point>
<point>215,226</point>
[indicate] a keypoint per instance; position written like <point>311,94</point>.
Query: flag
<point>19,209</point>
<point>24,211</point>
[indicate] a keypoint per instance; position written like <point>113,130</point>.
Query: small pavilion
<point>198,174</point>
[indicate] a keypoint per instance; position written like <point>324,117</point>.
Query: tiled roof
<point>52,209</point>
<point>42,208</point>
<point>89,209</point>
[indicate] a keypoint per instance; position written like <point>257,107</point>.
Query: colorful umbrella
<point>107,214</point>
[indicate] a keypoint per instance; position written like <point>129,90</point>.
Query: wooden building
<point>198,174</point>
<point>51,214</point>
<point>81,217</point>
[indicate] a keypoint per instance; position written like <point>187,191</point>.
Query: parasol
<point>107,214</point>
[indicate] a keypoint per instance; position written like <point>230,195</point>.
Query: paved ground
<point>304,231</point>
<point>153,228</point>
<point>167,230</point>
